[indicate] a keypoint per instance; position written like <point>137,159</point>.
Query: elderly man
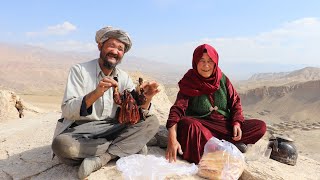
<point>88,132</point>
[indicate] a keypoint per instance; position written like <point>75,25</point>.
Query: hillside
<point>279,79</point>
<point>304,74</point>
<point>162,72</point>
<point>292,110</point>
<point>31,70</point>
<point>31,157</point>
<point>299,102</point>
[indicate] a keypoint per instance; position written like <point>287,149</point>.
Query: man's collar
<point>114,72</point>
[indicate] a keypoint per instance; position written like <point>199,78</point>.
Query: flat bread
<point>220,164</point>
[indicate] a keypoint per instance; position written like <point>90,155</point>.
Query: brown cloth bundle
<point>129,111</point>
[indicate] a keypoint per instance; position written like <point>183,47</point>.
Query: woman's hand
<point>172,149</point>
<point>237,133</point>
<point>173,145</point>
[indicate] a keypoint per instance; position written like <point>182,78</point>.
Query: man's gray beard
<point>107,64</point>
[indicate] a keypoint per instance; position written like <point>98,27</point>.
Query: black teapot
<point>283,150</point>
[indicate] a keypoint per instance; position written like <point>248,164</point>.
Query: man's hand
<point>150,89</point>
<point>105,84</point>
<point>237,133</point>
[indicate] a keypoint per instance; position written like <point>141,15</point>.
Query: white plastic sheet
<point>150,167</point>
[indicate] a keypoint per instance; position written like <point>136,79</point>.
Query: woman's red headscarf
<point>192,83</point>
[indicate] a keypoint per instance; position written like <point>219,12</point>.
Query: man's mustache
<point>112,55</point>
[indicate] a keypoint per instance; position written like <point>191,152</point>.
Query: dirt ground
<point>306,140</point>
<point>50,103</point>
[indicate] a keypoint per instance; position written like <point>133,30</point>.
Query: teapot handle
<point>275,145</point>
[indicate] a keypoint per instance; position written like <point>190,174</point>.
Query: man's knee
<point>153,122</point>
<point>62,146</point>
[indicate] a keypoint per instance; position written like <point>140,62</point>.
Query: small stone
<point>152,142</point>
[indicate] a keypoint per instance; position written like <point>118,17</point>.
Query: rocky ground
<point>25,153</point>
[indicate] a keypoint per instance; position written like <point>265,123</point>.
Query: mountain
<point>162,72</point>
<point>31,70</point>
<point>291,102</point>
<point>304,74</point>
<point>28,69</point>
<point>267,76</point>
<point>279,79</point>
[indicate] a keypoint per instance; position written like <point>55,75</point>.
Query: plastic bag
<point>221,160</point>
<point>150,167</point>
<point>257,153</point>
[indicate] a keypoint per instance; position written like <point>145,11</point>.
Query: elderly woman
<point>207,105</point>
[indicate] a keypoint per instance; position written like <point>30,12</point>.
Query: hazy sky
<point>243,31</point>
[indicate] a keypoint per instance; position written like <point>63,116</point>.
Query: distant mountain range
<point>279,79</point>
<point>305,74</point>
<point>163,72</point>
<point>300,101</point>
<point>27,69</point>
<point>30,69</point>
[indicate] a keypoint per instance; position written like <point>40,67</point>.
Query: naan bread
<point>220,164</point>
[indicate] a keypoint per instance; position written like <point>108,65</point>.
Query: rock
<point>162,137</point>
<point>8,101</point>
<point>297,126</point>
<point>5,176</point>
<point>153,142</point>
<point>306,128</point>
<point>246,175</point>
<point>12,106</point>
